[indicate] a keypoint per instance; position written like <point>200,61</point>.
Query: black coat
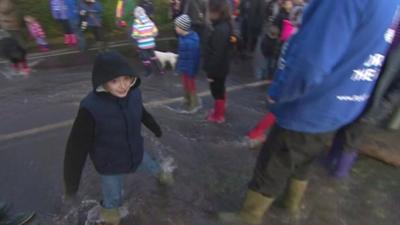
<point>270,47</point>
<point>12,50</point>
<point>107,128</point>
<point>217,52</point>
<point>196,10</point>
<point>256,17</point>
<point>81,143</point>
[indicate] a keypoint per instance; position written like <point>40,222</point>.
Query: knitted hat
<point>108,66</point>
<point>139,12</point>
<point>183,22</point>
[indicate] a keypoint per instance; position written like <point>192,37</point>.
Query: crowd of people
<point>326,86</point>
<point>321,85</point>
<point>74,17</point>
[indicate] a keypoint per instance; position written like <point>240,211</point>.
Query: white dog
<point>167,57</point>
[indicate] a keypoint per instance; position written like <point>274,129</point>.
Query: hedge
<point>40,9</point>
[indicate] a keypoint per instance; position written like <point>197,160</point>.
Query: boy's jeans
<point>112,185</point>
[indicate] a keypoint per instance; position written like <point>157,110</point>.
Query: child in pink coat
<point>36,32</point>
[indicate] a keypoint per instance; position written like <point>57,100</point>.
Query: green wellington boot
<point>294,195</point>
<point>166,178</point>
<point>186,100</point>
<point>252,212</point>
<point>194,104</point>
<point>110,216</point>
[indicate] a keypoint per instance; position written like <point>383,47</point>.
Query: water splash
<point>94,214</point>
<point>166,161</point>
<point>168,164</point>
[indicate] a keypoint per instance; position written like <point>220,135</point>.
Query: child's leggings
<point>66,26</point>
<point>112,185</point>
<point>217,88</point>
<point>189,83</point>
<point>149,58</point>
<point>41,41</point>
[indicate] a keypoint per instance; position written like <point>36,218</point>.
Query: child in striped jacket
<point>144,32</point>
<point>36,31</point>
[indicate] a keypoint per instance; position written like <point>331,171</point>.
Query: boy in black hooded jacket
<point>108,128</point>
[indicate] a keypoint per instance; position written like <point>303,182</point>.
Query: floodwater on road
<point>213,164</point>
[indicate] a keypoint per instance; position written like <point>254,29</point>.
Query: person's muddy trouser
<point>286,154</point>
<point>112,185</point>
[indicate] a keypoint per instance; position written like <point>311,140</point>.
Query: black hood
<point>110,65</point>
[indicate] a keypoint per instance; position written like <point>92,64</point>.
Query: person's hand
<point>82,12</point>
<point>270,100</point>
<point>210,80</point>
<point>233,40</point>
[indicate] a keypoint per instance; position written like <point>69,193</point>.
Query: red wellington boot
<point>217,115</point>
<point>259,131</point>
<point>24,68</point>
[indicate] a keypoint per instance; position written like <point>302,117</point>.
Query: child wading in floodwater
<point>108,129</point>
<point>188,61</point>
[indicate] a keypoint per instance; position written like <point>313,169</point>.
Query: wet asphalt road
<point>213,166</point>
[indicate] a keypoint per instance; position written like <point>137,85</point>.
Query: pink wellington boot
<point>66,39</point>
<point>72,39</point>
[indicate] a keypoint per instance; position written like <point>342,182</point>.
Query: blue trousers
<point>112,185</point>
